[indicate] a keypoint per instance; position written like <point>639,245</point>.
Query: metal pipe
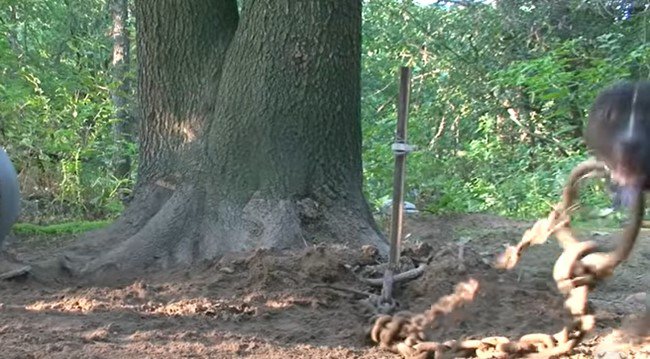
<point>401,149</point>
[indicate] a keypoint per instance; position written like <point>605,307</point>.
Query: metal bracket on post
<point>401,148</point>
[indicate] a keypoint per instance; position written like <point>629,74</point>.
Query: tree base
<point>182,233</point>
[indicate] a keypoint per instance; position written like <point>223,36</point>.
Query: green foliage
<point>499,98</point>
<point>56,111</point>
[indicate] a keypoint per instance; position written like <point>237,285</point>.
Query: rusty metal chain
<point>580,267</point>
<point>403,332</point>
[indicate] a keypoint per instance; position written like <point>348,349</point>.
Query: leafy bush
<point>57,115</point>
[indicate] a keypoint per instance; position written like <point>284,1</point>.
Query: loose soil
<point>281,304</point>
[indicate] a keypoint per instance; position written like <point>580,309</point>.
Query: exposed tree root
<point>148,201</point>
<point>182,232</point>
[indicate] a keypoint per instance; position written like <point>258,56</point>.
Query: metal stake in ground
<point>400,149</point>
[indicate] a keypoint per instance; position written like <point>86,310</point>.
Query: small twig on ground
<point>401,277</point>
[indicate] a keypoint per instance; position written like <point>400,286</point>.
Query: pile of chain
<point>580,267</point>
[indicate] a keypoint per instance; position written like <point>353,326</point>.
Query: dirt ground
<point>277,304</point>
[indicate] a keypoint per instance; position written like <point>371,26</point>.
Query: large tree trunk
<point>251,134</point>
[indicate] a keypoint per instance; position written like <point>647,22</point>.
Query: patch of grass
<point>60,228</point>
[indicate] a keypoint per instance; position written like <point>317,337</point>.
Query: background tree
<point>124,129</point>
<point>250,137</point>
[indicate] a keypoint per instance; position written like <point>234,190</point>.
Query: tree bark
<point>251,135</point>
